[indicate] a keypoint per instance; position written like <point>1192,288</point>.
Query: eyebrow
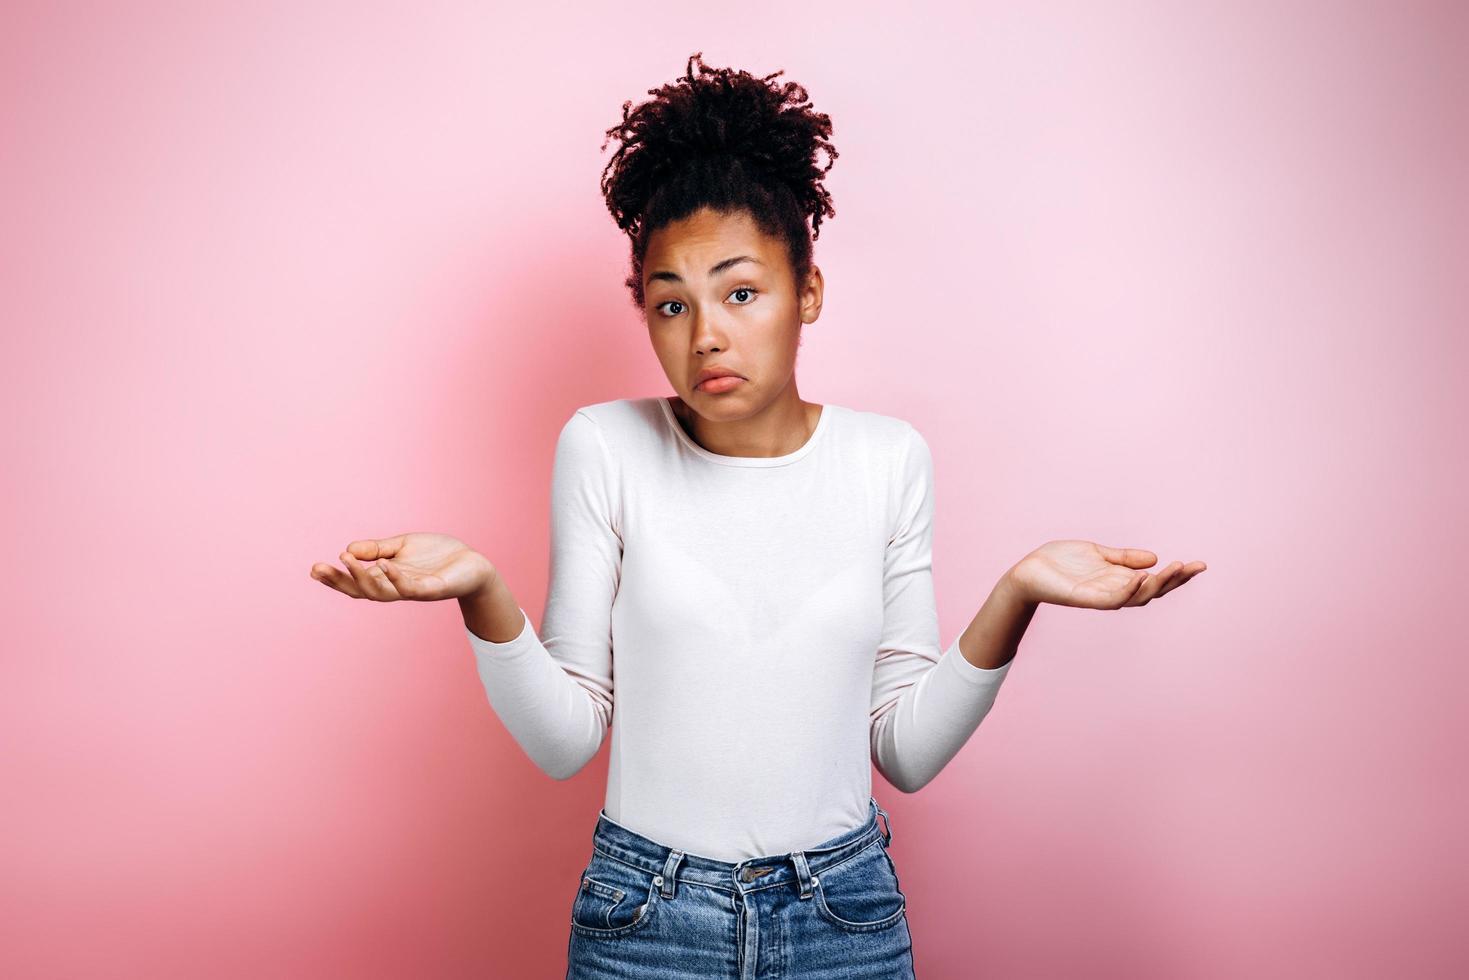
<point>716,270</point>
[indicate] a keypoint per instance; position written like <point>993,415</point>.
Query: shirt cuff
<point>978,676</point>
<point>525,638</point>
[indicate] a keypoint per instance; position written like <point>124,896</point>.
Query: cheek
<point>663,348</point>
<point>781,341</point>
<point>774,323</point>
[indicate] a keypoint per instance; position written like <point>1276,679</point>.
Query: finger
<point>1142,593</point>
<point>383,589</point>
<point>370,549</point>
<point>369,582</point>
<point>335,578</point>
<point>1150,587</point>
<point>1186,573</point>
<point>404,584</point>
<point>1168,578</point>
<point>1131,557</point>
<point>385,586</point>
<point>1171,576</point>
<point>1133,588</point>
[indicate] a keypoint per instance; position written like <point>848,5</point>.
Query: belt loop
<point>665,881</point>
<point>804,877</point>
<point>887,834</point>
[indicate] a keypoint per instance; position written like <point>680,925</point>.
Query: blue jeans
<point>830,911</point>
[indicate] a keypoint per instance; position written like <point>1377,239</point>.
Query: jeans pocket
<point>613,899</point>
<point>861,894</point>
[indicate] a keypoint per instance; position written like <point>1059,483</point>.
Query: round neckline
<point>698,450</point>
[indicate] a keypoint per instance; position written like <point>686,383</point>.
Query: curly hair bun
<point>724,139</point>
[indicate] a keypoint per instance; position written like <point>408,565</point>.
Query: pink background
<point>275,278</point>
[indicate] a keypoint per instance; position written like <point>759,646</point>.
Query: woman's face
<point>719,292</point>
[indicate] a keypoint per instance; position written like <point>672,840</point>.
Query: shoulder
<point>888,436</point>
<point>617,412</point>
<point>622,416</point>
<point>897,451</point>
<point>626,427</point>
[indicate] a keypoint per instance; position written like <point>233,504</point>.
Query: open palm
<point>420,565</point>
<point>1094,576</point>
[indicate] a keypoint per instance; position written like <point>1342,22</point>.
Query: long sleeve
<point>924,705</point>
<point>553,691</point>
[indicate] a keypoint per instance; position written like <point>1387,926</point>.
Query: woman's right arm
<point>491,613</point>
<point>553,690</point>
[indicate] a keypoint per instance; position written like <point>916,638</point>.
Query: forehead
<point>691,245</point>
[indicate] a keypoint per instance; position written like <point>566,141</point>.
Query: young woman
<point>759,564</point>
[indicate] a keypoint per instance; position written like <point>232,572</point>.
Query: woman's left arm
<point>927,700</point>
<point>1064,573</point>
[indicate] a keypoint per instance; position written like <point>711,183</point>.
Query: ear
<point>811,295</point>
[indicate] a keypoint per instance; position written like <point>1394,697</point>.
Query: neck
<point>778,429</point>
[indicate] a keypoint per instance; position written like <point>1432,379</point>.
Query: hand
<point>419,566</point>
<point>1094,576</point>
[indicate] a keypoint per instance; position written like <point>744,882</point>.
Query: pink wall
<point>273,279</point>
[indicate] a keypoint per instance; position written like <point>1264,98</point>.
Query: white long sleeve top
<point>752,629</point>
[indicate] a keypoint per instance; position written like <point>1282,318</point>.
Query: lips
<point>710,373</point>
<point>714,386</point>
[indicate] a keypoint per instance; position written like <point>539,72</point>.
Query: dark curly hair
<point>725,140</point>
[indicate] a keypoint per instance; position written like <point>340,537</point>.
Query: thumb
<point>367,549</point>
<point>1131,557</point>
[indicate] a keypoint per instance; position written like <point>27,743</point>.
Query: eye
<point>752,293</point>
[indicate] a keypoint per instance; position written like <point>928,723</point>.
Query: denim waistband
<point>670,865</point>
